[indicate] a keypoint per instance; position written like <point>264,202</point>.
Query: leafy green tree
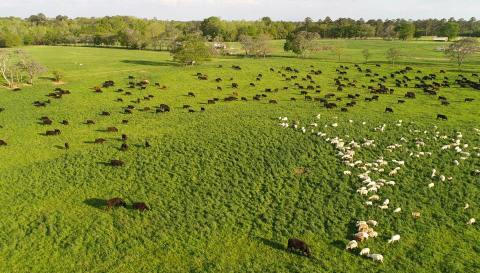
<point>302,43</point>
<point>191,49</point>
<point>212,27</point>
<point>462,49</point>
<point>450,30</point>
<point>38,19</point>
<point>406,30</point>
<point>9,39</point>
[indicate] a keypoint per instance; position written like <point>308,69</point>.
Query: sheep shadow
<point>338,244</point>
<point>150,63</point>
<point>96,203</point>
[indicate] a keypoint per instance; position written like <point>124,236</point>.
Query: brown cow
<point>141,206</point>
<point>298,245</point>
<point>115,203</point>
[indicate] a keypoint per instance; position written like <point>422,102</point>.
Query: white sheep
<point>394,238</point>
<point>397,210</point>
<point>471,221</point>
<point>431,185</point>
<point>383,207</point>
<point>376,257</point>
<point>466,206</point>
<point>352,245</point>
<point>372,223</point>
<point>364,251</point>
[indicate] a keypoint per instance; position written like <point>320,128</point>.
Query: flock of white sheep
<point>369,187</point>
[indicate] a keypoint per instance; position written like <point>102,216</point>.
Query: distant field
<point>229,186</point>
<point>414,52</point>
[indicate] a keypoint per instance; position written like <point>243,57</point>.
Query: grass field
<point>228,186</point>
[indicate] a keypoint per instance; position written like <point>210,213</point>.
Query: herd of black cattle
<point>305,85</point>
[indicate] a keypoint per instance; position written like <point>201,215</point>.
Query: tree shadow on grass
<point>150,63</point>
<point>96,203</point>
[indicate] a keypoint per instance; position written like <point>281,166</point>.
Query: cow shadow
<point>271,243</point>
<point>96,203</point>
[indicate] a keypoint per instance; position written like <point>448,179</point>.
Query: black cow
<point>55,132</point>
<point>388,110</point>
<point>124,147</point>
<point>442,117</point>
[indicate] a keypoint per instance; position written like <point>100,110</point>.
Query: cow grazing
<point>112,129</point>
<point>147,144</point>
<point>3,143</point>
<point>141,206</point>
<point>272,102</point>
<point>298,245</point>
<point>442,117</point>
<point>125,121</point>
<point>65,122</point>
<point>163,108</point>
<point>67,146</point>
<point>388,110</point>
<point>115,203</point>
<point>116,163</point>
<point>55,132</point>
<point>124,137</point>
<point>99,141</point>
<point>46,121</point>
<point>124,147</point>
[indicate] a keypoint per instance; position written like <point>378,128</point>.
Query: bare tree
<point>462,49</point>
<point>5,66</point>
<point>262,45</point>
<point>31,67</point>
<point>393,54</point>
<point>366,54</point>
<point>16,65</point>
<point>338,50</point>
<point>247,44</point>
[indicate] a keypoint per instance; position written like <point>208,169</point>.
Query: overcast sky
<point>245,9</point>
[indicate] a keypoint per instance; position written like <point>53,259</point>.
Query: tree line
<point>136,33</point>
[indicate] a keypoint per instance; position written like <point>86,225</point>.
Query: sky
<point>288,10</point>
